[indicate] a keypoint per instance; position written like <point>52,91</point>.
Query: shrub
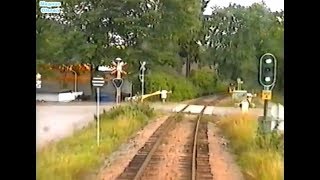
<point>182,89</point>
<point>205,80</point>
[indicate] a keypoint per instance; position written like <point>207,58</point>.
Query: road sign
<point>106,68</point>
<point>38,84</point>
<point>98,81</point>
<point>267,70</point>
<point>117,82</point>
<point>38,81</point>
<point>119,64</point>
<point>231,89</point>
<point>266,94</point>
<point>38,76</point>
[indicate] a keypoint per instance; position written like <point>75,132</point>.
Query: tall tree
<point>238,36</point>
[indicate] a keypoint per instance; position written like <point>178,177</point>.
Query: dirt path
<point>117,161</point>
<point>223,165</point>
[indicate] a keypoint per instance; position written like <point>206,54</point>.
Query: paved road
<point>57,121</point>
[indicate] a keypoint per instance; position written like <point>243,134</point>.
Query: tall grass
<point>77,156</point>
<point>259,155</point>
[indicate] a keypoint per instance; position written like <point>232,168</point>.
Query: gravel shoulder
<point>223,164</point>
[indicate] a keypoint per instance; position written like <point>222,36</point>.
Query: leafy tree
<point>166,34</point>
<point>238,36</point>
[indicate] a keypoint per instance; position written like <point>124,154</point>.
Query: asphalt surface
<point>55,121</point>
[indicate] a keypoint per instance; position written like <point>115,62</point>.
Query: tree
<point>238,36</point>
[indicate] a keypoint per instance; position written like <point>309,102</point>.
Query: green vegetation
<point>167,35</point>
<point>205,80</point>
<point>182,88</point>
<point>278,98</point>
<point>260,156</point>
<point>79,155</point>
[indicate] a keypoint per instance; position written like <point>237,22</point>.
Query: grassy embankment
<point>76,156</point>
<point>259,156</point>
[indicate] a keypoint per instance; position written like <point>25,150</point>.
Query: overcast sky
<point>274,5</point>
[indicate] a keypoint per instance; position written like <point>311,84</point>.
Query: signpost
<point>118,81</point>
<point>141,76</point>
<point>98,82</point>
<point>267,78</point>
<point>38,81</point>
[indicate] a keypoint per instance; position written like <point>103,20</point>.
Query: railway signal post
<point>118,81</point>
<point>141,76</point>
<point>98,82</point>
<point>267,78</point>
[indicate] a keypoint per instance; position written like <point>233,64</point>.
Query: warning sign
<point>266,94</point>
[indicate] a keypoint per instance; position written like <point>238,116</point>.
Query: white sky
<point>274,5</point>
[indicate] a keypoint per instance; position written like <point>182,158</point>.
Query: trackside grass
<point>75,157</point>
<point>259,156</point>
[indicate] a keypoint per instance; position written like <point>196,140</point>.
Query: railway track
<point>209,101</point>
<point>140,161</point>
<point>201,167</point>
<point>193,162</point>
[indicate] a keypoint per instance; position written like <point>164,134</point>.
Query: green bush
<point>182,88</point>
<point>221,86</point>
<point>204,79</point>
<point>133,109</point>
<point>207,82</point>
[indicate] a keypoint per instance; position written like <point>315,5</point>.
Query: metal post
<point>118,96</point>
<point>98,116</point>
<point>75,80</point>
<point>142,83</point>
<point>265,109</point>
